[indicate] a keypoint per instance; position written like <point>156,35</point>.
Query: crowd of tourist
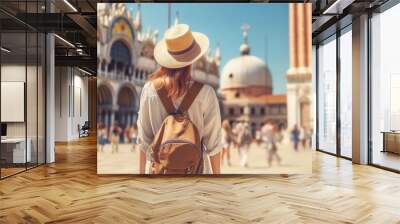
<point>239,137</point>
<point>267,137</point>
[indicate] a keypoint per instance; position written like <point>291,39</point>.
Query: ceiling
<point>75,21</point>
<point>72,20</point>
<point>331,15</point>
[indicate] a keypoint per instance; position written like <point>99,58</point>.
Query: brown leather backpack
<point>177,147</point>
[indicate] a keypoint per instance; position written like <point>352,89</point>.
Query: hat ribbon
<point>184,50</point>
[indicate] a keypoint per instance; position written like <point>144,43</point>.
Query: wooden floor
<point>70,191</point>
<point>387,159</point>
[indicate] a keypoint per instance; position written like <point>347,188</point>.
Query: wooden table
<point>391,141</point>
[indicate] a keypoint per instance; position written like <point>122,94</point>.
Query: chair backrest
<point>86,124</point>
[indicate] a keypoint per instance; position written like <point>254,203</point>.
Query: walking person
<point>127,137</point>
<point>310,136</point>
<point>131,136</point>
<point>258,137</point>
<point>175,108</point>
<point>267,132</point>
<point>227,139</point>
<point>101,136</point>
<point>277,137</point>
<point>115,135</point>
<point>307,138</point>
<point>294,137</point>
<point>302,137</point>
<point>244,141</point>
<point>235,131</point>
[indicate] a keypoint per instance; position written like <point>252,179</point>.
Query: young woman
<point>227,138</point>
<point>175,53</point>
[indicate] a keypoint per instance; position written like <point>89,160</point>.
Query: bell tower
<point>299,81</point>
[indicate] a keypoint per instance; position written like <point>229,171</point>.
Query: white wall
<point>71,94</point>
<point>12,73</point>
<point>61,103</point>
<point>33,127</point>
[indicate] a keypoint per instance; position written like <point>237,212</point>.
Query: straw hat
<point>180,47</point>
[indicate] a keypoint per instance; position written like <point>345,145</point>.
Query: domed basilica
<point>246,87</point>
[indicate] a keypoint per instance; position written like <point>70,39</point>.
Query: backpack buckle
<point>177,112</point>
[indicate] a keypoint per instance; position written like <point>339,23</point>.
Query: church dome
<point>245,71</point>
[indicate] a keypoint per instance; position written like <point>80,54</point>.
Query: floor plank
<point>70,191</point>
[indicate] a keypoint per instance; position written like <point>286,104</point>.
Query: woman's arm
<point>144,132</point>
<point>142,162</point>
<point>212,130</point>
<point>216,163</point>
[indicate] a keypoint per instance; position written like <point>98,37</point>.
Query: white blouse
<point>204,113</point>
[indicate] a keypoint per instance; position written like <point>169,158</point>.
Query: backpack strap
<point>163,95</point>
<point>191,94</point>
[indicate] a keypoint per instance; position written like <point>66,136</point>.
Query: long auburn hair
<point>177,80</point>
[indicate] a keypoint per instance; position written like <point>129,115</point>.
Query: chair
<point>84,130</point>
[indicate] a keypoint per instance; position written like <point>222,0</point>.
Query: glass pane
<point>13,86</point>
<point>327,95</point>
<point>386,89</point>
<point>314,88</point>
<point>22,79</point>
<point>32,86</point>
<point>31,97</point>
<point>41,99</point>
<point>346,94</point>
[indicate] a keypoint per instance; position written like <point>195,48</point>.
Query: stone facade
<point>125,61</point>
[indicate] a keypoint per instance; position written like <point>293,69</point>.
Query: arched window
<point>252,111</point>
<point>262,111</point>
<point>231,111</point>
<point>121,56</point>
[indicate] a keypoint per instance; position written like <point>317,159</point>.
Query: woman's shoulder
<point>148,90</point>
<point>148,86</point>
<point>207,90</point>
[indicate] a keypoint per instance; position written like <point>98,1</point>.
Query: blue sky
<point>222,22</point>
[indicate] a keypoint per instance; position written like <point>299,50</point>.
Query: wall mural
<point>252,113</point>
